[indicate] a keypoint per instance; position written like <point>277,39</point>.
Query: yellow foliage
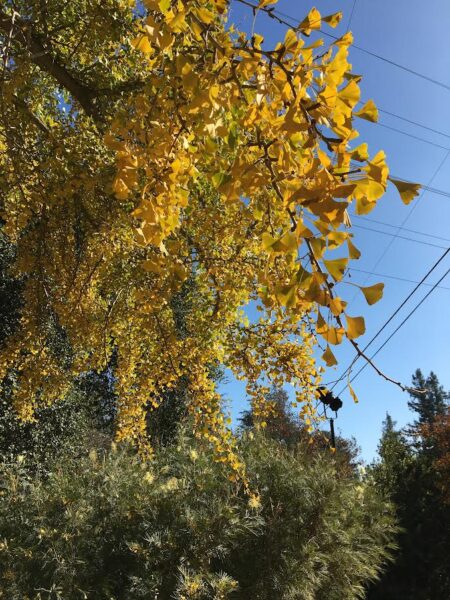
<point>191,162</point>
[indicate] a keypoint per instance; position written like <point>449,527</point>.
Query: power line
<point>414,206</point>
<point>430,235</point>
<point>401,237</point>
<point>441,84</point>
<point>351,15</point>
<point>408,316</point>
<point>411,121</point>
<point>425,188</point>
<point>410,135</point>
<point>396,277</point>
<point>394,314</point>
<point>387,112</point>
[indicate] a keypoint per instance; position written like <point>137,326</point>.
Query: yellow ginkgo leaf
<point>337,306</point>
<point>336,268</point>
<point>263,3</point>
<point>352,393</point>
<point>364,206</point>
<point>369,188</point>
<point>142,43</point>
<point>164,5</point>
<point>290,39</point>
<point>360,153</point>
<point>205,15</point>
<point>329,357</point>
<point>333,335</point>
<point>355,327</point>
<point>373,293</point>
<point>350,94</point>
<point>286,295</point>
<point>333,20</point>
<point>312,21</point>
<point>302,231</point>
<point>336,238</point>
<point>369,112</point>
<point>407,190</point>
<point>353,251</point>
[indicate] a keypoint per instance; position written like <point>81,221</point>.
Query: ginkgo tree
<point>144,145</point>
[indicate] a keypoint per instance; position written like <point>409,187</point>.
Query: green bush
<point>108,526</point>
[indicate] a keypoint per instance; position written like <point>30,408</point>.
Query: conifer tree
<point>429,403</point>
<point>408,472</point>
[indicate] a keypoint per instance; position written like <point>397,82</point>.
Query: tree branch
<point>22,32</point>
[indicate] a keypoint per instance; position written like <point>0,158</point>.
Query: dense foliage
<point>108,525</point>
<point>413,471</point>
<point>146,144</point>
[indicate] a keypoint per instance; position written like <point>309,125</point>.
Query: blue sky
<point>414,34</point>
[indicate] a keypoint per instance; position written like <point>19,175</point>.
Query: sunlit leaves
<point>353,251</point>
<point>328,357</point>
<point>369,112</point>
<point>355,327</point>
<point>407,190</point>
<point>311,21</point>
<point>333,20</point>
<point>142,43</point>
<point>223,174</point>
<point>336,268</point>
<point>360,153</point>
<point>373,293</point>
<point>352,393</point>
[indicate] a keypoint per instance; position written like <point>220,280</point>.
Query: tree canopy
<point>143,145</point>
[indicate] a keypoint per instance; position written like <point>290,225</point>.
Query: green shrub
<point>108,526</point>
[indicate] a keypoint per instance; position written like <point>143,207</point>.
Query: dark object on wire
<point>327,399</point>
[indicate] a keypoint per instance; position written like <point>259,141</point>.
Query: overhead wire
<point>424,188</point>
<point>393,315</point>
<point>351,16</point>
<point>408,316</point>
<point>369,52</point>
<point>410,135</point>
<point>382,110</point>
<point>414,206</point>
<point>397,278</point>
<point>412,122</point>
<point>273,12</point>
<point>430,235</point>
<point>401,237</point>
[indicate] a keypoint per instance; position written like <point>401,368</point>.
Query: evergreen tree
<point>429,404</point>
<point>395,459</point>
<point>406,471</point>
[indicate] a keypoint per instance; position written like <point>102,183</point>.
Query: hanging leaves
<point>222,177</point>
<point>352,392</point>
<point>407,190</point>
<point>355,327</point>
<point>336,268</point>
<point>369,112</point>
<point>373,293</point>
<point>311,21</point>
<point>328,357</point>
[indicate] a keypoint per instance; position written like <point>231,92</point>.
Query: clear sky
<point>414,34</point>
